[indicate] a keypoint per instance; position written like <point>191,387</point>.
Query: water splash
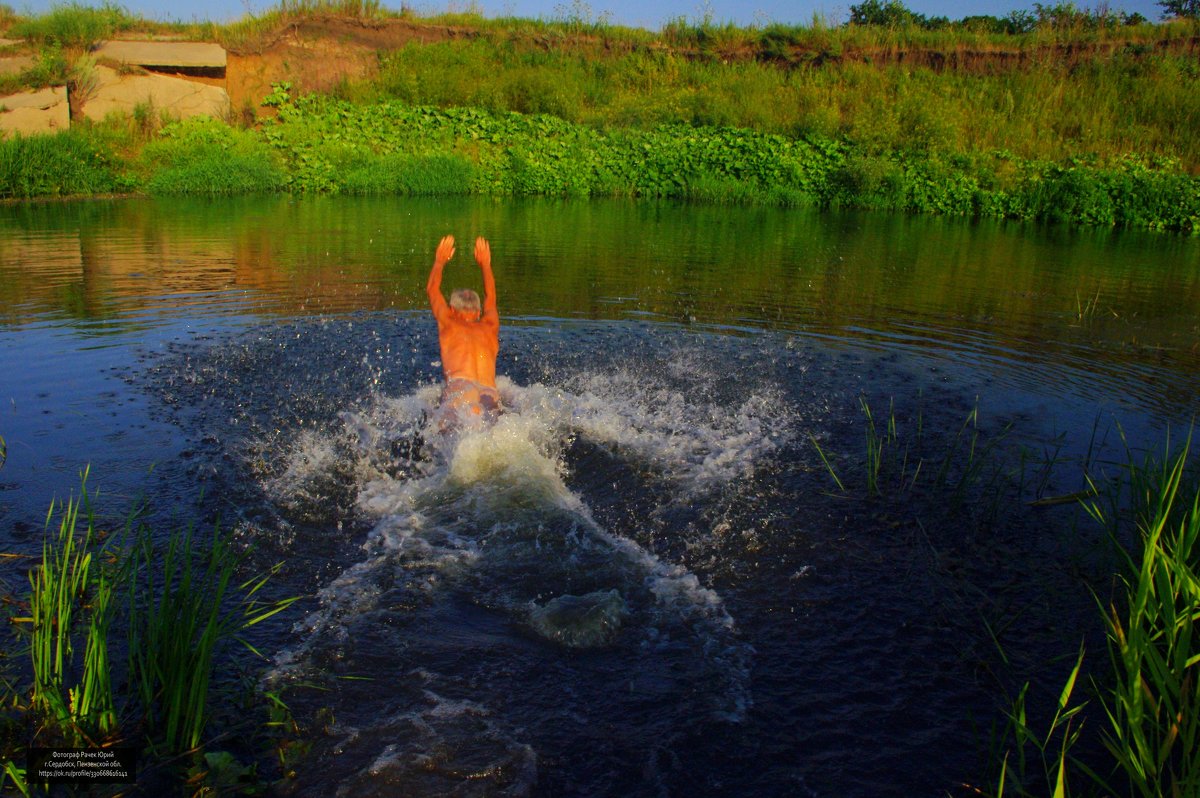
<point>487,514</point>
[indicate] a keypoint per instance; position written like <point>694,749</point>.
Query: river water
<point>645,578</point>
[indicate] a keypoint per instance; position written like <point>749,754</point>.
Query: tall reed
<point>1153,707</point>
<point>1150,725</point>
<point>181,605</point>
<point>70,590</point>
<point>1044,770</point>
<point>180,617</point>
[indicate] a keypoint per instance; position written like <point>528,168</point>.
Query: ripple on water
<point>637,561</point>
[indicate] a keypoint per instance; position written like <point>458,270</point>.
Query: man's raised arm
<point>445,251</point>
<point>483,256</point>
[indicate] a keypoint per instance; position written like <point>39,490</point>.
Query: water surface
<point>643,580</point>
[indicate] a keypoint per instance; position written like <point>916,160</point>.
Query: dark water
<point>643,580</point>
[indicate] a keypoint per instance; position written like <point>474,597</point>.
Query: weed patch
<point>59,165</point>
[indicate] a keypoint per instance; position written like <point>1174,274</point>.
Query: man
<point>469,335</point>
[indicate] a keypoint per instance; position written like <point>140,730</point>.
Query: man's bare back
<point>469,334</point>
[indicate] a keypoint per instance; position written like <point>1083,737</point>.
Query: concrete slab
<point>13,65</point>
<point>29,112</point>
<point>178,97</point>
<point>165,54</point>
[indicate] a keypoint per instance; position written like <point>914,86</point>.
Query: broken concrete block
<point>185,55</point>
<point>178,97</point>
<point>42,111</point>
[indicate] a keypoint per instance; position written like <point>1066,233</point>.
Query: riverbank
<point>1084,119</point>
<point>323,145</point>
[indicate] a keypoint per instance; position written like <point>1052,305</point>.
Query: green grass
<point>1149,707</point>
<point>1036,762</point>
<point>1152,706</point>
<point>1049,109</point>
<point>407,175</point>
<point>1143,737</point>
<point>180,606</point>
<point>75,25</point>
<point>877,443</point>
<point>62,164</point>
<point>896,452</point>
<point>179,621</point>
<point>72,589</point>
<point>253,31</point>
<point>204,156</point>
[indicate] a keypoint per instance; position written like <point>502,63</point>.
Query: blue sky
<point>635,13</point>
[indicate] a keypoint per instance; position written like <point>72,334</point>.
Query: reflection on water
<point>1117,308</point>
<point>638,581</point>
<point>796,269</point>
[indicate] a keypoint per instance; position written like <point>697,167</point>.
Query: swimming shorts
<point>467,398</point>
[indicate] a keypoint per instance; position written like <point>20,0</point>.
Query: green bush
<point>50,69</point>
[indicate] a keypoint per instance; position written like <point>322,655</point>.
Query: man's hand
<point>445,251</point>
<point>483,252</point>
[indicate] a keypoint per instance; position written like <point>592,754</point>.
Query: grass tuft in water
<point>1038,763</point>
<point>828,466</point>
<point>1150,726</point>
<point>181,607</point>
<point>1153,707</point>
<point>179,619</point>
<point>68,591</point>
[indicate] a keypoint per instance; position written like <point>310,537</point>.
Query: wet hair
<point>466,299</point>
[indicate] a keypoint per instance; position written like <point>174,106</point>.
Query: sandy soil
<point>317,54</point>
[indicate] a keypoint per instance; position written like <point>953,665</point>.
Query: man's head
<point>466,301</point>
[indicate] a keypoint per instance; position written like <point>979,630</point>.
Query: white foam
<point>697,444</point>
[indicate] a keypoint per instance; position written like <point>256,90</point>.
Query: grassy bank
<point>322,145</point>
<point>1038,102</point>
<point>336,146</point>
<point>1068,115</point>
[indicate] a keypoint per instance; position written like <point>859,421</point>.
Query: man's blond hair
<point>466,299</point>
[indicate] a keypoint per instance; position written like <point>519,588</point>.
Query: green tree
<point>891,14</point>
<point>1180,8</point>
